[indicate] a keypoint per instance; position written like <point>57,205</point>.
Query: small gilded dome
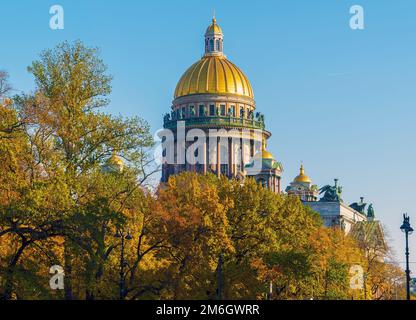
<point>214,74</point>
<point>302,177</point>
<point>114,164</point>
<point>264,154</point>
<point>214,28</point>
<point>265,159</point>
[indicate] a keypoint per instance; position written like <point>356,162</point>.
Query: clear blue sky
<point>343,101</point>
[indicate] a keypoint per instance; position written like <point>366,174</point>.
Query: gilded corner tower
<point>214,104</point>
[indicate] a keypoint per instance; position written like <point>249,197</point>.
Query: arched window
<point>218,45</point>
<point>211,45</point>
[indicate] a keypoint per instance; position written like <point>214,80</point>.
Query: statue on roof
<point>342,225</point>
<point>370,211</point>
<point>166,118</point>
<point>359,206</point>
<point>331,193</point>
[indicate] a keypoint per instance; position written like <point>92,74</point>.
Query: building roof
<point>370,232</point>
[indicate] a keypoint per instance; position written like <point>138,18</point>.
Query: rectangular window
<point>232,111</point>
<point>212,110</point>
<point>222,107</point>
<point>201,110</point>
<point>183,112</point>
<point>224,169</point>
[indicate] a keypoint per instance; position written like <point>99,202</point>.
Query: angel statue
<point>359,206</point>
<point>331,193</point>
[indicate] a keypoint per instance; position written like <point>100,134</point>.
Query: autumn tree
<point>371,238</point>
<point>68,141</point>
<point>262,237</point>
<point>5,86</point>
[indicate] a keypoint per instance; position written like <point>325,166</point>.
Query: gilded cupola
<point>302,177</point>
<point>214,73</point>
<point>114,164</point>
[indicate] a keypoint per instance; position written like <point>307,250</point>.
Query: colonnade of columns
<point>274,183</point>
<point>211,160</point>
<point>235,155</point>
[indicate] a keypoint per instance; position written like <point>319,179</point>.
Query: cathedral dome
<point>214,73</point>
<point>302,177</point>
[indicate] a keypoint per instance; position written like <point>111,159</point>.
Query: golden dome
<point>266,159</point>
<point>264,154</point>
<point>214,28</point>
<point>302,177</point>
<point>214,74</point>
<point>115,162</point>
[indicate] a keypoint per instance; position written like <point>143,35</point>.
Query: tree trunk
<point>68,271</point>
<point>8,290</point>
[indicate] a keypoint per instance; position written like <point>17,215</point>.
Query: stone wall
<point>337,214</point>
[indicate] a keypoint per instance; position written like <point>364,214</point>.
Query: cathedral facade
<point>214,124</point>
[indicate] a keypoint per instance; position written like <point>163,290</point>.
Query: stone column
<point>230,157</point>
<point>243,156</point>
<point>218,157</point>
<point>205,157</point>
<point>232,163</point>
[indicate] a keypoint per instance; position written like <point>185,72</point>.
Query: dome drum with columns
<point>215,94</point>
